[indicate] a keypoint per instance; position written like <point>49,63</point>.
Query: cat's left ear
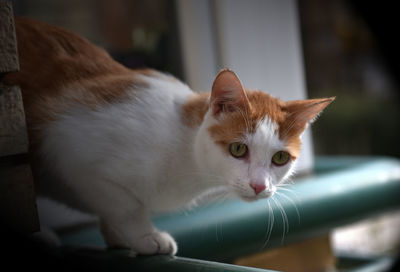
<point>302,112</point>
<point>228,94</point>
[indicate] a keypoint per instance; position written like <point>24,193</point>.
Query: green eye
<point>280,158</point>
<point>238,150</point>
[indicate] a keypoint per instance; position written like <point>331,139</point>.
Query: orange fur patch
<point>195,108</point>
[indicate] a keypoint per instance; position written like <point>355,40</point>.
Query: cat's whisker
<point>288,183</point>
<point>291,191</point>
<point>287,189</point>
<point>272,218</point>
<point>285,220</point>
<point>221,199</point>
<point>292,202</point>
<point>270,224</point>
<point>285,186</point>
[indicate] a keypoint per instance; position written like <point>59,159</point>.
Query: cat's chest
<point>173,181</point>
<point>176,194</point>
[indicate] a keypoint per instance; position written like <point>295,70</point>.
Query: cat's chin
<point>256,197</point>
<point>248,199</point>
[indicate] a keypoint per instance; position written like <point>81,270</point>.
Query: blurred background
<point>346,49</point>
<point>350,52</point>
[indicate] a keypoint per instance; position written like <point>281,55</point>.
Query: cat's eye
<point>238,150</point>
<point>280,158</point>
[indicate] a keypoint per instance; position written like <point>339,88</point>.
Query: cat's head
<point>250,140</point>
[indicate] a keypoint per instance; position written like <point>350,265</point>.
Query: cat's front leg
<point>138,234</point>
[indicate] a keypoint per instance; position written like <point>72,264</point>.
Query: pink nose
<point>258,188</point>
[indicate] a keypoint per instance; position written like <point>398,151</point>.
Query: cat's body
<point>124,144</point>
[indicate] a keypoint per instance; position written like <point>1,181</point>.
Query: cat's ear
<point>302,112</point>
<point>228,94</point>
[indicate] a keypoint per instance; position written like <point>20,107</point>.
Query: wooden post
<point>17,197</point>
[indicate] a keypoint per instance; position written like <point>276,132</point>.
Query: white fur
<point>126,160</point>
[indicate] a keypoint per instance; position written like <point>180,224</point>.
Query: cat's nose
<point>258,188</point>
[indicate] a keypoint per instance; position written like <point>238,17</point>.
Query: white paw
<point>155,243</point>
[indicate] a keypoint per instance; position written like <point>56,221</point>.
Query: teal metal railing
<point>342,190</point>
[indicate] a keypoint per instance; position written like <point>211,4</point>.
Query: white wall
<point>199,52</point>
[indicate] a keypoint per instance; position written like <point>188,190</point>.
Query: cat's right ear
<point>228,94</point>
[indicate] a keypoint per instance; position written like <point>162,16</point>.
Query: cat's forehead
<point>263,105</point>
<point>235,126</point>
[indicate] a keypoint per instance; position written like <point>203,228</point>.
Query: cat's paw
<point>155,243</point>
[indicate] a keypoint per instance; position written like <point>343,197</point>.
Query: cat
<point>124,144</point>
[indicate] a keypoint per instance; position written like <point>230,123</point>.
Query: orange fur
<point>195,108</point>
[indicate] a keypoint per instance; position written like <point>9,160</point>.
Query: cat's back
<point>51,57</point>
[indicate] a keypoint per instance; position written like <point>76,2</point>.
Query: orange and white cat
<point>124,144</point>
